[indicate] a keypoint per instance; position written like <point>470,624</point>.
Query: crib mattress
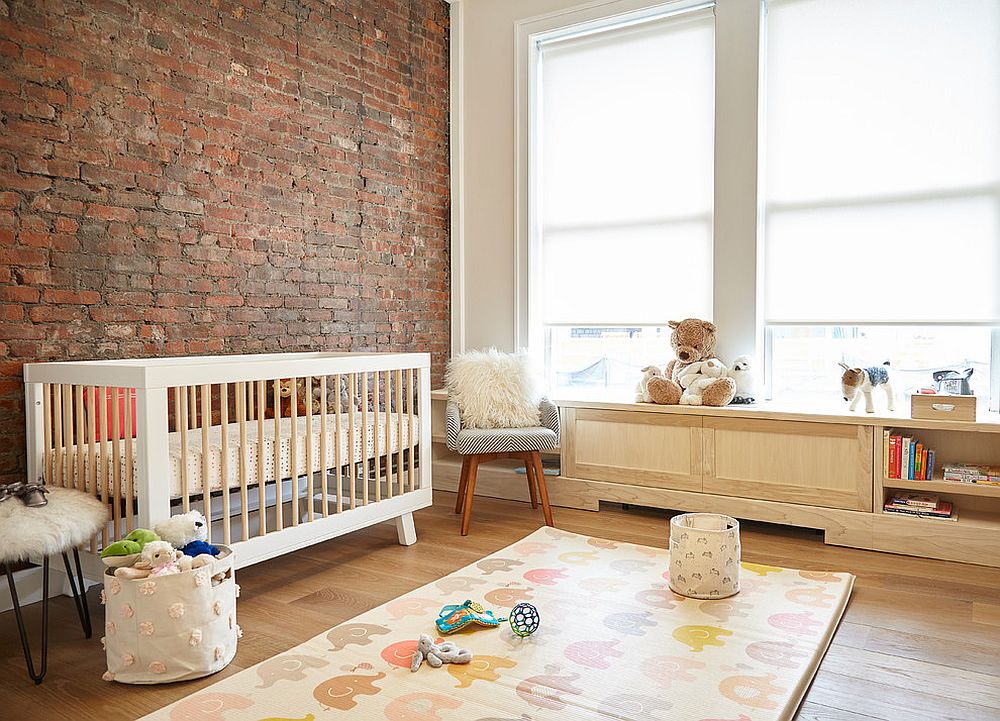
<point>196,480</point>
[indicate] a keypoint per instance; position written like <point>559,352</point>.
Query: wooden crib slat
<point>49,456</point>
<point>309,446</point>
<point>92,456</point>
<point>364,437</point>
<point>413,377</point>
<point>351,451</point>
<point>375,428</point>
<point>116,462</point>
<point>387,428</point>
<point>57,430</point>
<point>224,464</point>
<point>206,488</point>
<point>241,415</point>
<point>67,407</point>
<point>337,460</point>
<point>181,405</point>
<point>79,482</point>
<point>261,487</point>
<point>324,466</point>
<point>103,433</point>
<point>278,505</point>
<point>294,450</point>
<point>250,403</point>
<point>129,464</point>
<point>399,430</point>
<point>192,407</point>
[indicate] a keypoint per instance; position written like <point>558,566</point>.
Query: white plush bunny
<point>697,377</point>
<point>642,387</point>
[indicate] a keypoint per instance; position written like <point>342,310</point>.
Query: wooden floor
<point>920,640</point>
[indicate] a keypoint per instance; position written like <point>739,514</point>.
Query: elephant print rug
<point>614,643</point>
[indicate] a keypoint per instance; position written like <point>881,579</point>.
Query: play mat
<point>614,643</point>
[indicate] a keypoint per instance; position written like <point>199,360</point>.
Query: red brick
<point>83,297</point>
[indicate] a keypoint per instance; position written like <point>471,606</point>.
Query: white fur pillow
<point>492,390</point>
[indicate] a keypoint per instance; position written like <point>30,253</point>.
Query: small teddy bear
<point>642,387</point>
<point>187,532</point>
<point>438,654</point>
<point>158,558</point>
<point>698,376</point>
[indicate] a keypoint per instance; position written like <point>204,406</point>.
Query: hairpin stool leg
<point>36,677</point>
<point>79,597</point>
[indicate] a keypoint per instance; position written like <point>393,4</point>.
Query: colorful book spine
<point>904,472</point>
<point>894,443</point>
<point>918,455</point>
<point>924,475</point>
<point>886,460</point>
<point>930,465</point>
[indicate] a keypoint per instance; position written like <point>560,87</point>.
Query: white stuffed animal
<point>642,387</point>
<point>158,558</point>
<point>742,373</point>
<point>697,377</point>
<point>187,532</point>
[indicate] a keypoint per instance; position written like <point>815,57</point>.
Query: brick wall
<point>219,176</point>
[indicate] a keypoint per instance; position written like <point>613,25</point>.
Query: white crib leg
<point>405,529</point>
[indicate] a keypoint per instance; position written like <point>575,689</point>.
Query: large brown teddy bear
<point>693,340</point>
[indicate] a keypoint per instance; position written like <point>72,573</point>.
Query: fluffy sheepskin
<point>70,518</point>
<point>493,390</point>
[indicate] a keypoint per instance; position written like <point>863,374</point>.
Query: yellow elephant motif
<point>481,668</point>
<point>761,569</point>
<point>697,637</point>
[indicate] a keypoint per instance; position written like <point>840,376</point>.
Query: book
<point>915,499</point>
<point>943,508</point>
<point>913,457</point>
<point>894,456</point>
<point>886,461</point>
<point>930,465</point>
<point>918,454</point>
<point>904,468</point>
<point>951,516</point>
<point>924,456</point>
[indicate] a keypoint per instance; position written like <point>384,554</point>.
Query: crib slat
<point>413,377</point>
<point>192,407</point>
<point>92,456</point>
<point>294,450</point>
<point>241,415</point>
<point>79,482</point>
<point>206,488</point>
<point>399,430</point>
<point>364,437</point>
<point>324,466</point>
<point>351,451</point>
<point>181,406</point>
<point>103,433</point>
<point>375,428</point>
<point>309,446</point>
<point>250,403</point>
<point>261,496</point>
<point>129,465</point>
<point>57,430</point>
<point>337,460</point>
<point>116,462</point>
<point>387,410</point>
<point>49,456</point>
<point>278,505</point>
<point>67,404</point>
<point>224,464</point>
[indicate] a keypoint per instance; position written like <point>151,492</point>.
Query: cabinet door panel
<point>817,464</point>
<point>643,449</point>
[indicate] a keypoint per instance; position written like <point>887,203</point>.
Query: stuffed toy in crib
<point>284,403</point>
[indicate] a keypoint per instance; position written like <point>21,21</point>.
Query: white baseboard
<point>29,585</point>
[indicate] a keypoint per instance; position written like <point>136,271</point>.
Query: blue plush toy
<point>198,547</point>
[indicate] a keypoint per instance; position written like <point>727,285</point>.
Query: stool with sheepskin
<point>492,414</point>
<point>69,519</point>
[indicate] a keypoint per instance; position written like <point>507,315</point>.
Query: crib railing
<point>259,445</point>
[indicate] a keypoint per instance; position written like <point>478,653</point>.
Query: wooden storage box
<point>939,407</point>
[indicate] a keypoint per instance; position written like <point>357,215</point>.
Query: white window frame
<point>738,213</point>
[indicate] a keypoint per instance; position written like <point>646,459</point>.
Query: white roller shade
<point>882,183</point>
<point>625,133</point>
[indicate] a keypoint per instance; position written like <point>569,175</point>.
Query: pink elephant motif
<point>664,670</point>
<point>545,576</point>
<point>800,623</point>
<point>530,548</point>
<point>420,707</point>
<point>603,543</point>
<point>752,691</point>
<point>593,654</point>
<point>814,596</point>
<point>208,707</point>
<point>546,691</point>
<point>410,606</point>
<point>507,597</point>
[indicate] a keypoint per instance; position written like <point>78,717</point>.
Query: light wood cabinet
<point>641,449</point>
<point>815,464</point>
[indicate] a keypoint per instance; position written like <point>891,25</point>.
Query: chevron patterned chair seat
<point>480,445</point>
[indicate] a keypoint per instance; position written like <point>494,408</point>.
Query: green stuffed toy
<point>126,551</point>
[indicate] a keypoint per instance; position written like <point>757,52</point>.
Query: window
<point>882,186</point>
<point>623,159</point>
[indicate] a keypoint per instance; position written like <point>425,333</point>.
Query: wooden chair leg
<point>529,471</point>
<point>470,492</point>
<point>463,480</point>
<point>536,459</point>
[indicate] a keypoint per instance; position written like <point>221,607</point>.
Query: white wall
<point>486,279</point>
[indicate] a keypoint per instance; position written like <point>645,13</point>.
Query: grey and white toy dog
<point>857,382</point>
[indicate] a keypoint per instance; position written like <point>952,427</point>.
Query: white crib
<point>160,436</point>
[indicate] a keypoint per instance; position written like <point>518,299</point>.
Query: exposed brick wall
<point>219,176</point>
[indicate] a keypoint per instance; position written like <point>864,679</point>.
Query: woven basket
<point>171,628</point>
<point>704,555</point>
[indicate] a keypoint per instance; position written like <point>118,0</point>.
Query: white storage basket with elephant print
<point>704,555</point>
<point>173,627</point>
